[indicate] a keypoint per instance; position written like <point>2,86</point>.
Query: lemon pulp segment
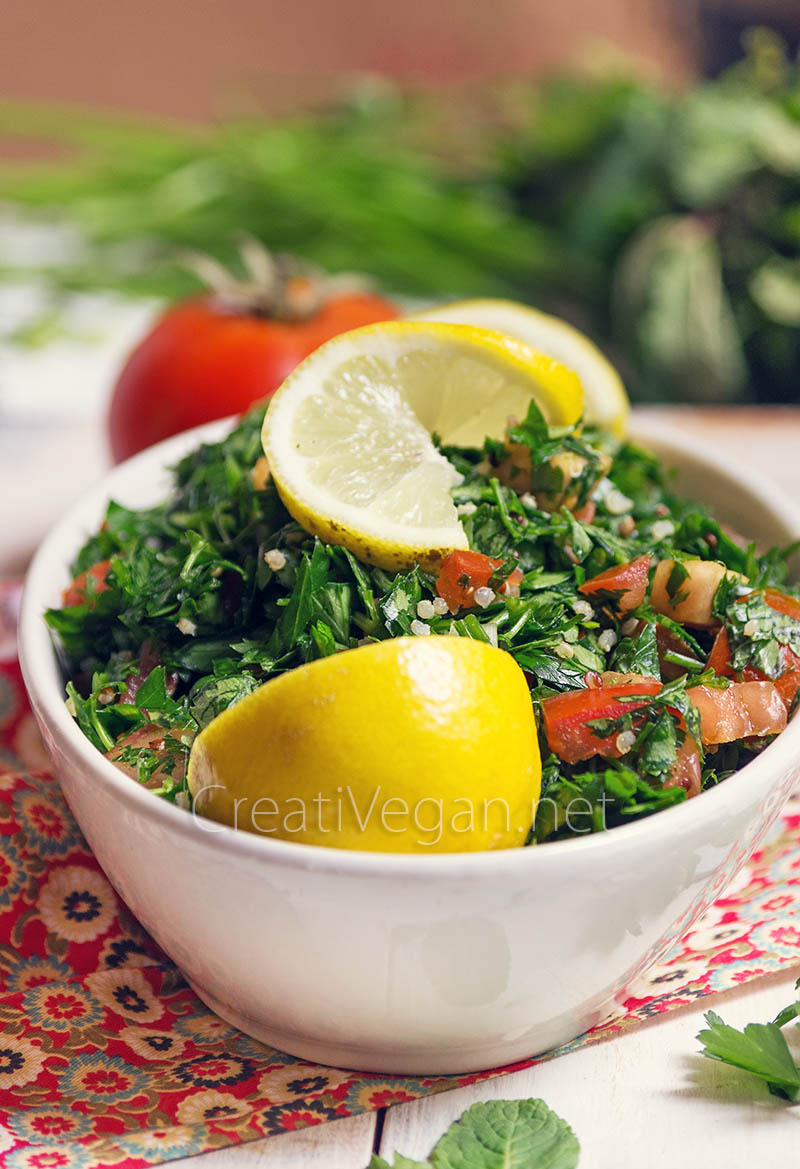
<point>605,399</point>
<point>349,438</point>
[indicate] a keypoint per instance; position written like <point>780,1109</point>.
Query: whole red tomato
<point>215,355</point>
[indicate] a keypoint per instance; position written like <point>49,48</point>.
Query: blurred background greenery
<point>657,210</point>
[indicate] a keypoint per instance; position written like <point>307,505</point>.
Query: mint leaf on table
<point>400,1162</point>
<point>500,1134</point>
<point>760,1049</point>
<point>507,1134</point>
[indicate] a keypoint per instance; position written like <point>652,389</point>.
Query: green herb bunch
<point>667,225</point>
<point>685,206</point>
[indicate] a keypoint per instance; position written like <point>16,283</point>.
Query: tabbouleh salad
<point>661,650</point>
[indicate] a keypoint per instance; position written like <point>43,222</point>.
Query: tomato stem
<point>276,286</point>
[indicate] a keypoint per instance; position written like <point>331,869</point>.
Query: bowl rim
<point>43,680</point>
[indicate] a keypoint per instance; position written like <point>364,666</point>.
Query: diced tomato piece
<point>685,771</point>
<point>790,606</point>
<point>566,715</point>
<point>463,572</point>
<point>741,711</point>
<point>625,585</point>
<point>87,585</point>
<point>719,660</point>
<point>586,514</point>
<point>788,681</point>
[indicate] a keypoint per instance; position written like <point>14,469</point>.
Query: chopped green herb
<point>192,618</point>
<point>757,632</point>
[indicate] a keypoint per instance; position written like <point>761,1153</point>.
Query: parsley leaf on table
<point>760,1049</point>
<point>500,1134</point>
<point>788,1013</point>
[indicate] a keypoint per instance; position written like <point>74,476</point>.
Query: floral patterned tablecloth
<point>108,1058</point>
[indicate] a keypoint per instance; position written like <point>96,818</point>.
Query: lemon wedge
<point>605,400</point>
<point>409,745</point>
<point>348,436</point>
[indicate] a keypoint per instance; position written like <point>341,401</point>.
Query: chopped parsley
<point>756,632</point>
<point>218,589</point>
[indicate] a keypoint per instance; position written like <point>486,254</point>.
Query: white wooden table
<point>645,1099</point>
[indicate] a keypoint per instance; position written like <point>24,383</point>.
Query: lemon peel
<point>408,745</point>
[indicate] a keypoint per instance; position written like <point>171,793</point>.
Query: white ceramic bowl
<point>416,964</point>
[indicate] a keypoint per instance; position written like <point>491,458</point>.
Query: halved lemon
<point>348,436</point>
<point>605,400</point>
<point>416,744</point>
